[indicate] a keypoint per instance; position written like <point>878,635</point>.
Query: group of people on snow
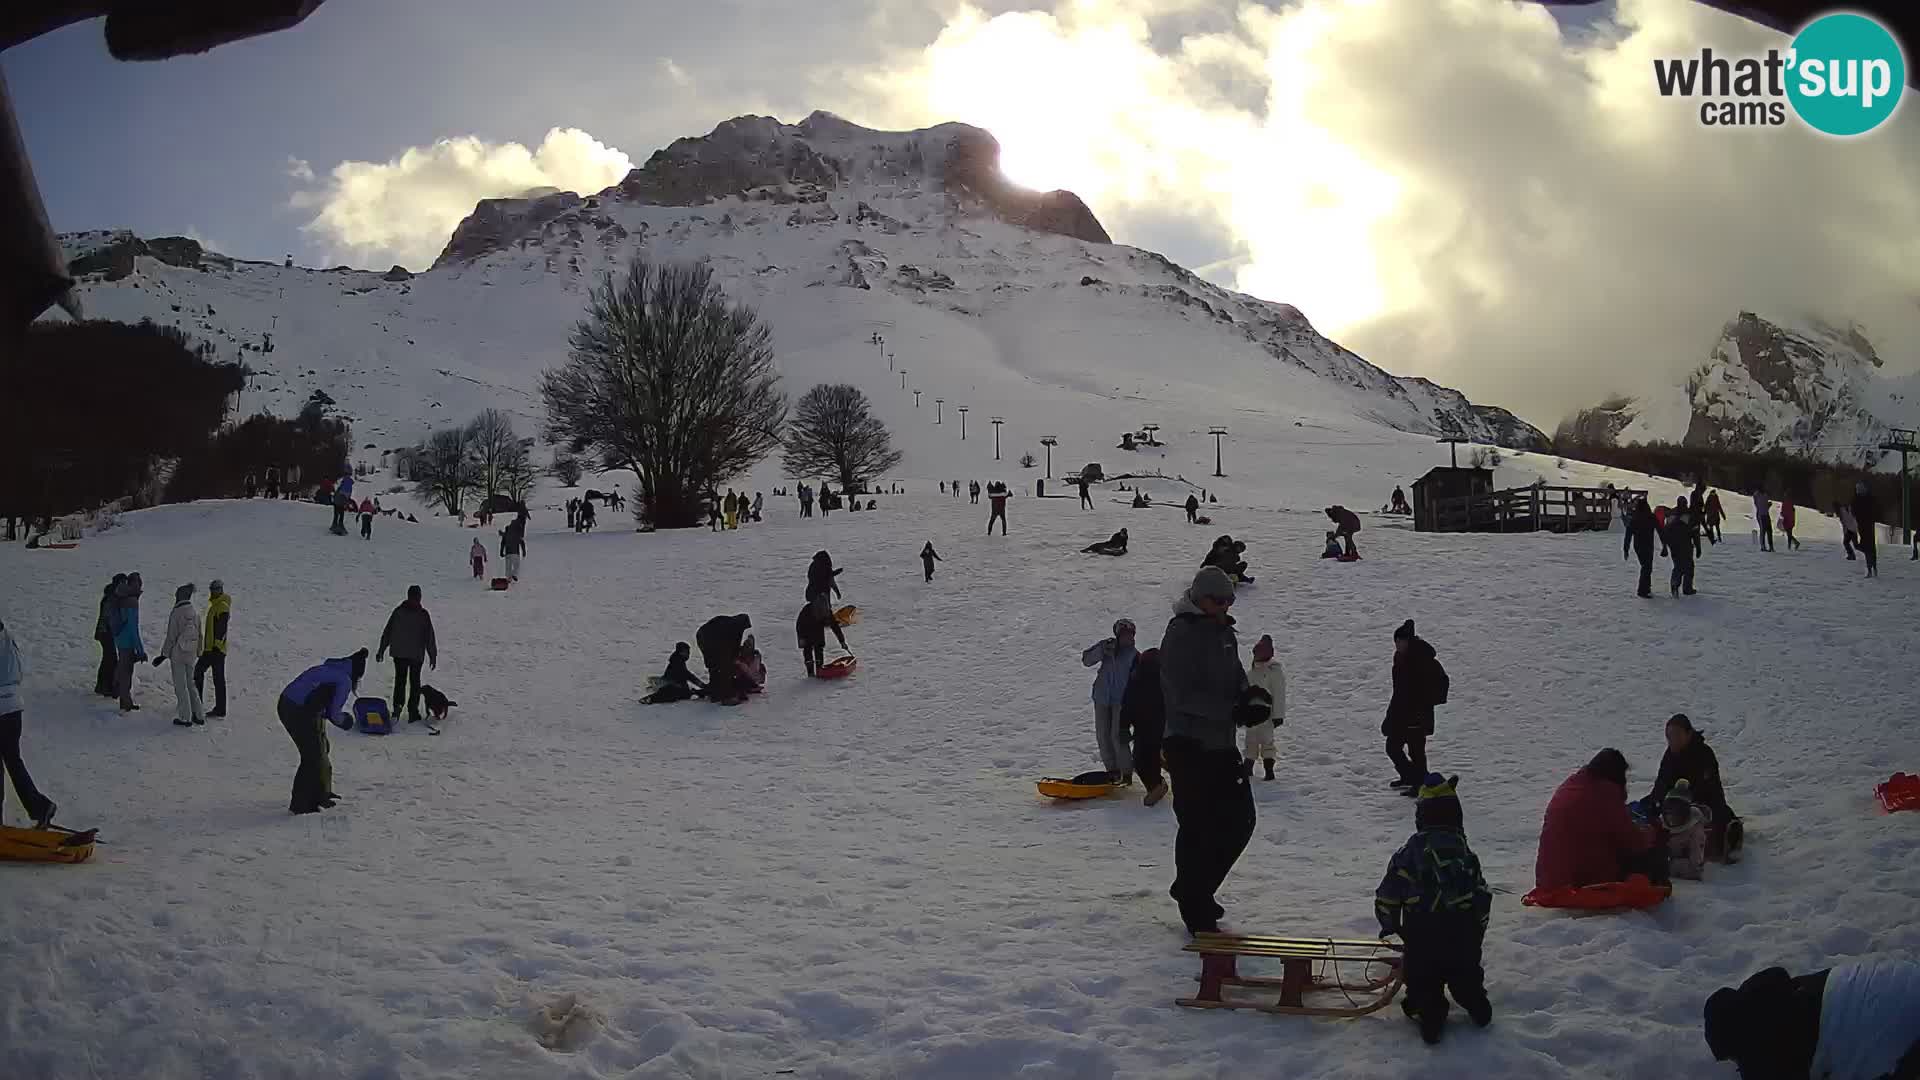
<point>581,515</point>
<point>193,646</point>
<point>275,488</point>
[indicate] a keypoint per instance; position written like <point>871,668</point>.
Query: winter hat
<point>413,593</point>
<point>1680,720</point>
<point>359,661</point>
<point>1609,764</point>
<point>1210,581</point>
<point>216,586</point>
<point>1263,649</point>
<point>1439,803</point>
<point>183,594</point>
<point>1679,799</point>
<point>1121,626</point>
<point>682,647</point>
<point>744,621</point>
<point>1405,632</point>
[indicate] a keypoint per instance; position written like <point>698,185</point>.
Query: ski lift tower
<point>1907,442</point>
<point>963,422</point>
<point>1217,433</point>
<point>997,421</point>
<point>1049,441</point>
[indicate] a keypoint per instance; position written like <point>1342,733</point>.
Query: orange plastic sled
<point>1634,893</point>
<point>1054,787</point>
<point>1902,792</point>
<point>838,669</point>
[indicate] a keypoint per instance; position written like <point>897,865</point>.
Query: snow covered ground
<point>857,879</point>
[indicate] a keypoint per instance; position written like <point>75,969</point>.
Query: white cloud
<point>300,170</point>
<point>1455,188</point>
<point>402,211</point>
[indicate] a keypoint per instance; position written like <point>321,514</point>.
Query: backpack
<point>1440,683</point>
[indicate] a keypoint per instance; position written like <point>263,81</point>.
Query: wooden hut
<point>1433,492</point>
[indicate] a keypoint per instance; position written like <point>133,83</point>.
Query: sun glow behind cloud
<point>1458,188</point>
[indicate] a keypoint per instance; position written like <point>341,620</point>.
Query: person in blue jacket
<point>123,621</point>
<point>1115,656</point>
<point>319,694</point>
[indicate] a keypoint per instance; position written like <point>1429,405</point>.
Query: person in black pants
<point>1143,712</point>
<point>1639,540</point>
<point>409,634</point>
<point>1866,516</point>
<point>1680,539</point>
<point>319,693</point>
<point>1418,685</point>
<point>38,806</point>
<point>719,641</point>
<point>103,634</point>
<point>1207,700</point>
<point>811,627</point>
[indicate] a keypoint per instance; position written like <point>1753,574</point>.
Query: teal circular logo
<point>1846,74</point>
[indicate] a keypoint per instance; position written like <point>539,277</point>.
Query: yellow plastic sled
<point>45,845</point>
<point>847,616</point>
<point>1054,787</point>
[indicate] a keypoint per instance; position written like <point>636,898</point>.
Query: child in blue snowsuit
<point>1436,900</point>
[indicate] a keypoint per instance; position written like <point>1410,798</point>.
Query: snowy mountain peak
<point>760,159</point>
<point>1802,385</point>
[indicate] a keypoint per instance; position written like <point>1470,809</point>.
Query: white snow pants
<point>1260,741</point>
<point>186,698</point>
<point>1115,757</point>
<point>513,567</point>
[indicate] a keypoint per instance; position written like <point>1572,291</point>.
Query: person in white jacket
<point>180,649</point>
<point>1265,673</point>
<point>38,806</point>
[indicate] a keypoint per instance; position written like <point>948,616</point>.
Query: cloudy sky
<point>1476,191</point>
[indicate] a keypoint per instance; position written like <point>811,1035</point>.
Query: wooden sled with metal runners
<point>1308,965</point>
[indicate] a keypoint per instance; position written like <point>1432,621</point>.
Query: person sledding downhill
<point>1436,900</point>
<point>1113,545</point>
<point>811,627</point>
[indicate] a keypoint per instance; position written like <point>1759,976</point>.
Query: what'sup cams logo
<point>1843,74</point>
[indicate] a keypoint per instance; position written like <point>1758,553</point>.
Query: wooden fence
<point>1527,509</point>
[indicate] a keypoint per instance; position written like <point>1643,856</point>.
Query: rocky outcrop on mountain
<point>1805,387</point>
<point>1598,426</point>
<point>759,157</point>
<point>115,259</point>
<point>496,224</point>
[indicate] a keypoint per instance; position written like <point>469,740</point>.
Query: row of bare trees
<point>668,379</point>
<point>484,457</point>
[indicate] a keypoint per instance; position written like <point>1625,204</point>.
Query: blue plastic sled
<point>371,715</point>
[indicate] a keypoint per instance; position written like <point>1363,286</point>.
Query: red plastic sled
<point>838,669</point>
<point>1634,893</point>
<point>1902,792</point>
<point>500,584</point>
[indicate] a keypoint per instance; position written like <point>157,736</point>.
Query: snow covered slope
<point>852,881</point>
<point>1008,302</point>
<point>1804,386</point>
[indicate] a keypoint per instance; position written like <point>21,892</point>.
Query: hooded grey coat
<point>1201,677</point>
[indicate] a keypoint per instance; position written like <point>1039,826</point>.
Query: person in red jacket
<point>1589,837</point>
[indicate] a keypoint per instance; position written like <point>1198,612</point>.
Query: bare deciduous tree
<point>666,378</point>
<point>834,433</point>
<point>443,468</point>
<point>491,440</point>
<point>567,469</point>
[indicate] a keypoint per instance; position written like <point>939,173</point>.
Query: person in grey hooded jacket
<point>1208,700</point>
<point>1115,655</point>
